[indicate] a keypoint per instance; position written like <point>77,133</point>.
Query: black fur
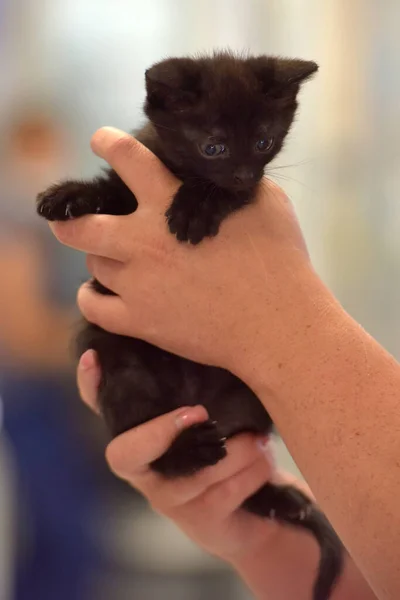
<point>242,108</point>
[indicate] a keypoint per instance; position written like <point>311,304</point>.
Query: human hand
<point>205,506</point>
<point>273,560</point>
<point>217,303</point>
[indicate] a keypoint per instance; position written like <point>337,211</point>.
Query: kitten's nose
<point>243,176</point>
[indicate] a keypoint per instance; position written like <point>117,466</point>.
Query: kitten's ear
<point>294,72</point>
<point>280,77</point>
<point>173,84</point>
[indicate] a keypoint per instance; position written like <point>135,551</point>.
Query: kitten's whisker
<point>213,189</point>
<point>282,177</point>
<point>289,179</point>
<point>164,127</point>
<point>272,190</point>
<point>298,164</point>
<point>275,193</point>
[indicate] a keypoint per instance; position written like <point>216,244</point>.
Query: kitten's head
<point>223,117</point>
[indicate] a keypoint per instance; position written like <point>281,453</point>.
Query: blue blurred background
<point>68,528</point>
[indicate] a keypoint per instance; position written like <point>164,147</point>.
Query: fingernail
<point>263,442</point>
<point>267,447</point>
<point>88,360</point>
<point>190,415</point>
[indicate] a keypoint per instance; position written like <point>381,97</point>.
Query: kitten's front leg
<point>72,199</point>
<point>199,208</point>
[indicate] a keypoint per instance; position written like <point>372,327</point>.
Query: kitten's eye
<point>265,144</point>
<point>212,150</point>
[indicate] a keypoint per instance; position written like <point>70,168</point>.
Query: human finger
<point>133,451</point>
<point>225,497</point>
<point>105,270</point>
<point>243,451</point>
<point>140,169</point>
<point>109,312</point>
<point>88,379</point>
<point>102,235</point>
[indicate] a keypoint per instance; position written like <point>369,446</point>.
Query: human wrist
<point>337,391</point>
<point>273,350</point>
<point>258,551</point>
<point>288,570</point>
<point>284,567</point>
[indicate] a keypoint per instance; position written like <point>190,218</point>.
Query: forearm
<point>287,570</point>
<point>288,565</point>
<point>329,401</point>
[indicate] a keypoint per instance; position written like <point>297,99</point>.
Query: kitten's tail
<point>332,551</point>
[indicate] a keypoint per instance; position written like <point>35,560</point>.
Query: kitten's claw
<point>300,516</point>
<point>194,449</point>
<point>305,512</point>
<point>191,229</point>
<point>189,218</point>
<point>68,211</point>
<point>66,201</point>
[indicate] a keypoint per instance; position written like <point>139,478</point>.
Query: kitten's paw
<point>205,224</point>
<point>194,449</point>
<point>191,217</point>
<point>66,201</point>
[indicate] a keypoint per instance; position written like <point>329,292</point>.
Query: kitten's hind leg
<point>194,449</point>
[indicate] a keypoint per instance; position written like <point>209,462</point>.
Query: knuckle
<point>208,502</point>
<point>217,496</point>
<point>185,491</point>
<point>165,497</point>
<point>243,447</point>
<point>113,458</point>
<point>171,496</point>
<point>230,488</point>
<point>121,146</point>
<point>118,460</point>
<point>64,231</point>
<point>257,476</point>
<point>86,304</point>
<point>159,506</point>
<point>90,263</point>
<point>235,488</point>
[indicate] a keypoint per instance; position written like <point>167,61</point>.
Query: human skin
<point>275,561</point>
<point>249,300</point>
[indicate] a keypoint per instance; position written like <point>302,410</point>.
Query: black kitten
<point>215,122</point>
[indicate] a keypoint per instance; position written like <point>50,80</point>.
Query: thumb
<point>143,173</point>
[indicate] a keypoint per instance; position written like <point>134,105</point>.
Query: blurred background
<point>68,529</point>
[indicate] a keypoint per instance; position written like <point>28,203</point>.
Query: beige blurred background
<point>67,68</point>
